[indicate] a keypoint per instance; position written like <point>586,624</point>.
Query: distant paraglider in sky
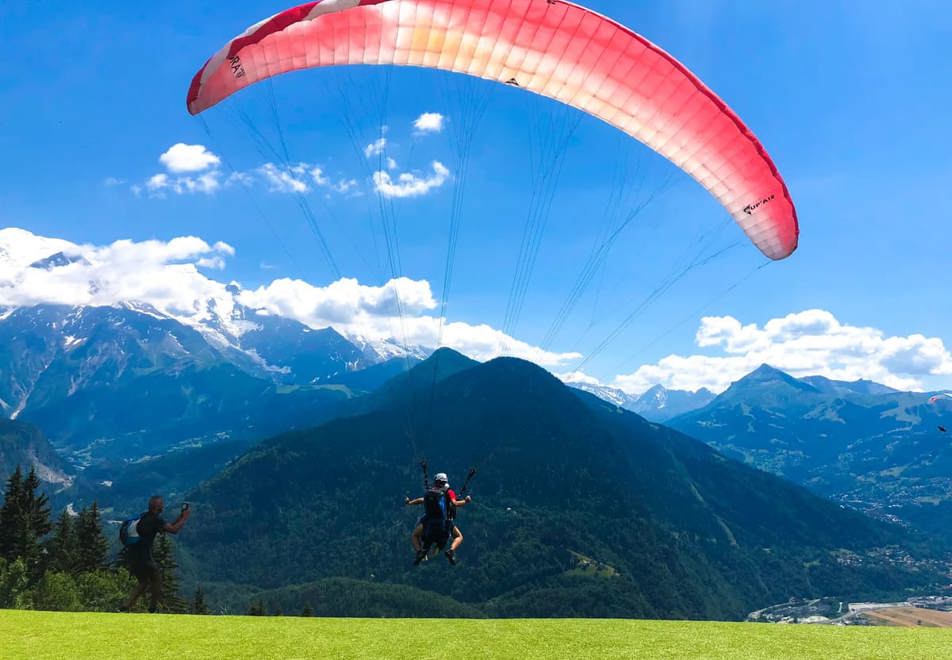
<point>550,47</point>
<point>939,400</point>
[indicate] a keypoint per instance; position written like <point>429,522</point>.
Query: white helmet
<point>441,476</point>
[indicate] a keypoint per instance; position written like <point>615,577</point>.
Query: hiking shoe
<point>450,557</point>
<point>420,557</point>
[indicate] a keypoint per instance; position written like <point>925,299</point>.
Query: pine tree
<point>308,610</point>
<point>61,548</point>
<point>92,546</point>
<point>9,515</point>
<point>164,555</point>
<point>24,520</point>
<point>35,512</point>
<point>198,602</point>
<point>37,506</point>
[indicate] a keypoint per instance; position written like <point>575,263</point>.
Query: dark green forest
<point>566,483</point>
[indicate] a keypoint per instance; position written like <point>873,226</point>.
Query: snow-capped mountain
<point>290,351</point>
<point>58,260</point>
<point>19,249</point>
<point>37,270</point>
<point>605,393</point>
<point>378,351</point>
<point>157,353</point>
<point>658,404</point>
<point>128,381</point>
<point>48,352</point>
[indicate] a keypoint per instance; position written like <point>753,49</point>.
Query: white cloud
<point>193,169</point>
<point>111,182</point>
<point>343,186</point>
<point>391,164</point>
<point>282,179</point>
<point>185,158</point>
<point>317,174</point>
<point>578,377</point>
<point>166,275</point>
<point>341,301</point>
<point>812,342</point>
<point>206,183</point>
<point>376,147</point>
<point>408,184</point>
<point>216,263</point>
<point>162,273</point>
<point>158,185</point>
<point>240,178</point>
<point>20,248</point>
<point>299,178</point>
<point>224,248</point>
<point>429,122</point>
<point>372,313</point>
<point>483,342</point>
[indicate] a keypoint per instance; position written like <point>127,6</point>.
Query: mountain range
<point>656,404</point>
<point>112,385</point>
<point>129,382</point>
<point>863,444</point>
<point>580,507</point>
<point>586,508</point>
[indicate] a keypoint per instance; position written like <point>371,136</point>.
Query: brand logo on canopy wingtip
<point>237,70</point>
<point>750,208</point>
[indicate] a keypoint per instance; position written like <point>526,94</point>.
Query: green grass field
<point>62,635</point>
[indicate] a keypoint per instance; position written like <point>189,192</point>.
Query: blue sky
<point>851,101</point>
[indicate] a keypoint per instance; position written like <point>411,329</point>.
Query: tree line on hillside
<point>64,565</point>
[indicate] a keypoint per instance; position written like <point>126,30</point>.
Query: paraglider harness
<point>438,511</point>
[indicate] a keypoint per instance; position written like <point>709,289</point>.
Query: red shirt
<point>451,514</point>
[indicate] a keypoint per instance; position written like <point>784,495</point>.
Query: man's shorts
<point>451,523</point>
<point>144,571</point>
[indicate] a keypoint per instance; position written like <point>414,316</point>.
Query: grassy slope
<point>61,635</point>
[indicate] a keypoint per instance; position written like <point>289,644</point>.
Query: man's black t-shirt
<point>150,524</point>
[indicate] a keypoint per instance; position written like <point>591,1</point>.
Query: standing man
<point>140,561</point>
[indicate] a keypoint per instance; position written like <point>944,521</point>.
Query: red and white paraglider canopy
<point>550,47</point>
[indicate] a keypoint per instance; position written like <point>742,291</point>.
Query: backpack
<point>436,504</point>
<point>129,532</point>
<point>436,518</point>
